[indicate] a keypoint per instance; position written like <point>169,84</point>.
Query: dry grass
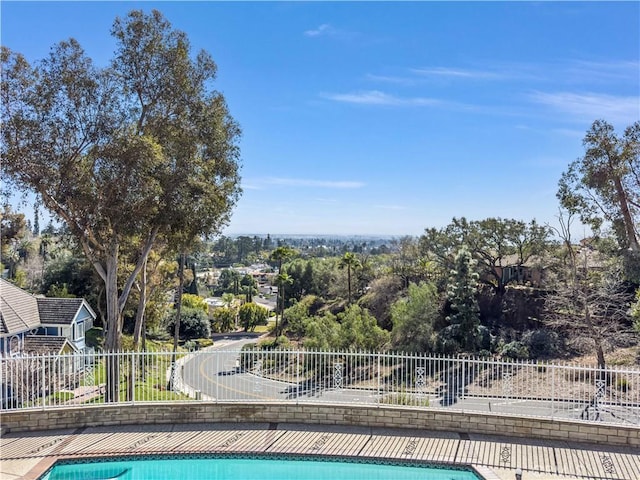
<point>620,357</point>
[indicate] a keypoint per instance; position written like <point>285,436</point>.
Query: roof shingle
<point>18,309</point>
<point>58,311</point>
<point>43,344</point>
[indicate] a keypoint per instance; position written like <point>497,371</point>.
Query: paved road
<point>220,377</point>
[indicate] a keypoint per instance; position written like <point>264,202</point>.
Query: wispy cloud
<point>391,207</point>
<point>391,79</point>
<point>568,132</point>
<point>569,71</point>
<point>251,186</point>
<point>302,182</point>
<point>603,71</point>
<point>376,97</point>
<point>324,29</point>
<point>327,201</point>
<point>590,106</point>
<point>458,73</point>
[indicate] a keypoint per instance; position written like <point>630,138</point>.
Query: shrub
<point>515,350</point>
<point>542,343</point>
<point>405,399</point>
<point>622,384</point>
<point>273,343</point>
<point>194,323</point>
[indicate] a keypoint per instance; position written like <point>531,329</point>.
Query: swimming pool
<point>240,467</point>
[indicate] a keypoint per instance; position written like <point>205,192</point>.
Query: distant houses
<point>32,324</point>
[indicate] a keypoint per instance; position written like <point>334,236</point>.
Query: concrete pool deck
<point>27,455</point>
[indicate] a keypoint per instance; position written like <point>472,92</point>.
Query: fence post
<point>217,370</point>
<point>553,393</point>
<point>462,387</point>
<point>379,373</point>
<point>43,387</point>
<point>134,361</point>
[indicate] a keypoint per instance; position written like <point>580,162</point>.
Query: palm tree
<point>282,280</point>
<point>351,262</point>
<point>279,255</point>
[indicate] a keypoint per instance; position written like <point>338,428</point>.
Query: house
<point>32,324</point>
<point>530,272</point>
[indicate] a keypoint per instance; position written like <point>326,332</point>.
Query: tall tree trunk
<point>626,216</point>
<point>142,303</point>
<point>176,329</point>
<point>282,313</point>
<point>113,343</point>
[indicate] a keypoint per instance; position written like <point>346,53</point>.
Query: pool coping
<point>75,459</point>
<point>484,454</point>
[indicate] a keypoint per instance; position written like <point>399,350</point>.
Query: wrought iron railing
<point>538,389</point>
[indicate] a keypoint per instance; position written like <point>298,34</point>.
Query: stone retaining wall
<point>362,416</point>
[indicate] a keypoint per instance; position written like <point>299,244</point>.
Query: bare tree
<point>591,305</point>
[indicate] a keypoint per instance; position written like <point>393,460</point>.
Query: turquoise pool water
<point>248,469</point>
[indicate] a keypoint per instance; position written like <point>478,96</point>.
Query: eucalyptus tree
<point>141,148</point>
<point>604,184</point>
<point>156,278</point>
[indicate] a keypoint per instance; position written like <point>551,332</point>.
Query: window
<point>78,331</point>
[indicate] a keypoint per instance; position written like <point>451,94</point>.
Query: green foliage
<point>194,301</point>
<point>406,399</point>
<point>604,185</point>
<point>462,293</point>
<point>223,319</point>
<point>359,330</point>
<point>631,265</point>
<point>58,398</point>
<point>414,318</point>
<point>281,342</point>
<point>622,384</point>
<point>248,287</point>
<point>635,311</point>
<point>251,315</point>
<point>542,343</point>
<point>280,255</point>
<point>194,323</point>
<point>94,337</point>
<point>57,291</point>
<point>351,262</point>
<point>228,282</point>
<point>70,270</point>
<point>298,315</point>
<point>148,118</point>
<point>303,274</point>
<point>197,344</point>
<point>20,278</point>
<point>492,242</point>
<point>323,333</point>
<point>515,350</point>
<point>353,329</point>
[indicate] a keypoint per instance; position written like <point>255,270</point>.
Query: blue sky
<point>390,117</point>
